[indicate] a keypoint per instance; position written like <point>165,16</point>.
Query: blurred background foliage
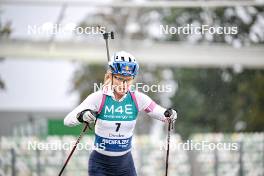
<point>144,24</point>
<point>248,20</point>
<point>5,31</point>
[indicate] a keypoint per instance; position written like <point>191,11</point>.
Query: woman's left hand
<point>171,115</point>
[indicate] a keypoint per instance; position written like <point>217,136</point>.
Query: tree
<point>5,31</point>
<point>215,100</point>
<point>248,20</point>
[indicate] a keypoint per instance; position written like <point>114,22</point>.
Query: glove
<point>171,115</point>
<point>87,115</point>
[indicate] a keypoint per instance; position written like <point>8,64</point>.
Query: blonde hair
<point>108,78</point>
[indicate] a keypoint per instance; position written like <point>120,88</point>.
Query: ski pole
<point>106,35</point>
<point>73,149</point>
<point>168,113</point>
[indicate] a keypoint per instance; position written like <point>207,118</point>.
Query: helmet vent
<point>116,58</point>
<point>123,59</point>
<point>118,67</point>
<point>134,68</point>
<point>129,59</point>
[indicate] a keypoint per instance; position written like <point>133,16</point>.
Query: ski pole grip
<point>105,35</point>
<point>112,35</point>
<point>168,112</point>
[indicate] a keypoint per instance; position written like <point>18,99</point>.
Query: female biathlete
<point>116,107</point>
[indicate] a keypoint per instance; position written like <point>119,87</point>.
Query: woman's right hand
<point>87,116</point>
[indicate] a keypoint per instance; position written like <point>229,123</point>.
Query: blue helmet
<point>123,63</point>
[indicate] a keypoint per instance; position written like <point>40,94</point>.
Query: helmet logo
<point>123,63</point>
